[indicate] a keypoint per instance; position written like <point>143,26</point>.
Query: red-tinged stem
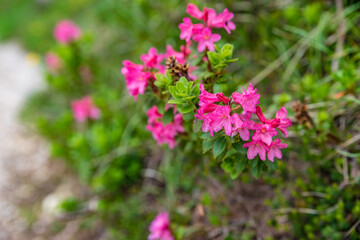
<point>233,109</point>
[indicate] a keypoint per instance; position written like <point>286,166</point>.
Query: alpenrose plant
<point>187,90</point>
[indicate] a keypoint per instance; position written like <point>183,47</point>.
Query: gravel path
<point>31,184</point>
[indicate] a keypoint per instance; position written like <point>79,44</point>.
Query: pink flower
<point>160,228</point>
<point>284,122</point>
<point>256,147</point>
<point>84,109</point>
<point>194,11</point>
<point>210,17</point>
<point>66,32</point>
<point>224,20</point>
<point>152,59</point>
<point>164,134</point>
<point>185,49</point>
<point>240,127</point>
<point>170,52</point>
<point>274,150</point>
<point>153,114</point>
<point>206,97</point>
<point>188,29</point>
<point>248,99</point>
<point>206,39</point>
<point>264,132</point>
<point>206,122</point>
<point>52,61</point>
<point>220,118</point>
<point>135,77</point>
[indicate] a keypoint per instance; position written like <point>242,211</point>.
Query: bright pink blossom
<point>224,20</point>
<point>135,77</point>
<point>248,99</point>
<point>284,122</point>
<point>160,228</point>
<point>84,109</point>
<point>256,147</point>
<point>220,118</point>
<point>274,150</point>
<point>170,52</point>
<point>66,31</point>
<point>185,49</point>
<point>194,11</point>
<point>152,59</point>
<point>264,132</point>
<point>52,61</point>
<point>164,133</point>
<point>206,122</point>
<point>206,39</point>
<point>206,97</point>
<point>188,29</point>
<point>240,127</point>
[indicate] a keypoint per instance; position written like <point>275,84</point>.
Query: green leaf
<point>214,58</point>
<point>162,81</point>
<point>219,146</point>
<point>180,87</point>
<point>205,135</point>
<point>189,86</point>
<point>239,147</point>
<point>173,92</point>
<point>227,165</point>
<point>175,101</point>
<point>161,107</point>
<point>183,80</point>
<point>195,91</point>
<point>185,107</point>
<point>197,125</point>
<point>189,98</point>
<point>168,116</point>
<point>240,165</point>
<point>232,60</point>
<point>254,162</point>
<point>207,145</point>
<point>217,88</point>
<point>256,171</point>
<point>271,165</point>
<point>227,50</point>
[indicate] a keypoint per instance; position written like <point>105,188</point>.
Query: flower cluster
<point>237,120</point>
<point>202,32</point>
<point>164,133</point>
<point>138,76</point>
<point>160,228</point>
<point>84,109</point>
<point>66,32</point>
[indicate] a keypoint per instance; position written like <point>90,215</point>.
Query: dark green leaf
<point>219,146</point>
<point>168,116</point>
<point>254,162</point>
<point>271,165</point>
<point>256,171</point>
<point>207,145</point>
<point>240,165</point>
